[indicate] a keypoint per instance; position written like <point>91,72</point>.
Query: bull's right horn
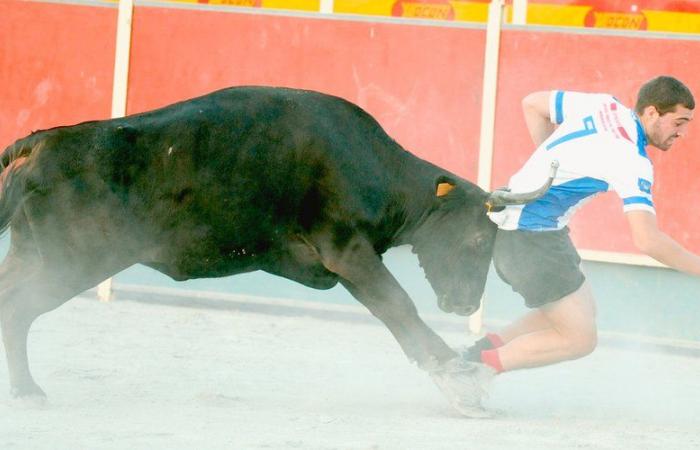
<point>499,198</point>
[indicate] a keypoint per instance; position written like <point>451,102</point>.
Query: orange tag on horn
<point>444,189</point>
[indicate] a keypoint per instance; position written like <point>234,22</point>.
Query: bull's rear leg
<point>25,297</point>
<point>371,283</point>
<point>19,307</point>
<point>15,324</point>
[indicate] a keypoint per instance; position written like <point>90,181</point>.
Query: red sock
<point>491,358</point>
<point>495,340</point>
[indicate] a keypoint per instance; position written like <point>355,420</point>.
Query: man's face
<point>663,130</point>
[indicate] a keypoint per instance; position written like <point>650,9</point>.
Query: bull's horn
<point>500,198</point>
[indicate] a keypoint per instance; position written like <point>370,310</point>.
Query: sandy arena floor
<point>128,375</point>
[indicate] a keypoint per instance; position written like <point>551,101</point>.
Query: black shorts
<point>542,266</point>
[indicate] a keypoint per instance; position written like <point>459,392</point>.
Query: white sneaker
<point>464,384</point>
<point>484,375</point>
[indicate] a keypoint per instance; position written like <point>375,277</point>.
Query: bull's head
<point>455,243</point>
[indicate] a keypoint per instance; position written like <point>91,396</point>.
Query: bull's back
<point>237,167</point>
<point>258,157</point>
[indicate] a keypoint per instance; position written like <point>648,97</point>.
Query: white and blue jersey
<point>600,145</point>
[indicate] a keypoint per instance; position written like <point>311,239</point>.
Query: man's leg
<point>535,320</point>
<point>544,268</point>
<point>558,331</point>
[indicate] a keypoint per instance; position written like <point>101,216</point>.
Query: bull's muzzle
<point>460,309</point>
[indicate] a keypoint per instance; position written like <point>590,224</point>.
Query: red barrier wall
<point>422,83</point>
<point>56,65</point>
<point>617,65</point>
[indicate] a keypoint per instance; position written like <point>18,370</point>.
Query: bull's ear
<point>443,186</point>
<point>443,189</point>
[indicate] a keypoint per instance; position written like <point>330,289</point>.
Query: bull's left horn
<point>499,198</point>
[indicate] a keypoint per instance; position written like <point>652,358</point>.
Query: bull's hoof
<point>463,384</point>
<point>29,393</point>
<point>473,412</point>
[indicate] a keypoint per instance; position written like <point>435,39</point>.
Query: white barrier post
<point>488,118</point>
<point>326,7</point>
<point>121,58</point>
<point>519,12</point>
<point>119,92</point>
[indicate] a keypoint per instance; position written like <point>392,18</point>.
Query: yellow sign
<point>602,19</point>
<point>427,11</point>
<point>248,3</point>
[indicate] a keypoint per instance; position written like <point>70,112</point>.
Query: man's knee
<point>574,318</point>
<point>583,344</point>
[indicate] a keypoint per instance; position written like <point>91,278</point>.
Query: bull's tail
<point>13,178</point>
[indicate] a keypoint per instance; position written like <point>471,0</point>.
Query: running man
<point>600,145</point>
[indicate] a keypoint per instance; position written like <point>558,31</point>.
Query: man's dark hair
<point>664,93</point>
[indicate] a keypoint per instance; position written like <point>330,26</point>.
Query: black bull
<point>295,183</point>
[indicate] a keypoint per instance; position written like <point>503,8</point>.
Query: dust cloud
<point>133,375</point>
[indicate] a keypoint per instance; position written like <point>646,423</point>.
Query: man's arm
<point>660,246</point>
<point>536,112</point>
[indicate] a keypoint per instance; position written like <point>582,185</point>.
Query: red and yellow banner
<point>299,5</point>
<point>652,15</point>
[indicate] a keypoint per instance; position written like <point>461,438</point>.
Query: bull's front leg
<point>364,275</point>
<point>370,282</point>
<point>459,380</point>
<point>397,312</point>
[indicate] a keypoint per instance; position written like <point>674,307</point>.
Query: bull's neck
<point>416,213</point>
<point>416,230</point>
<point>414,190</point>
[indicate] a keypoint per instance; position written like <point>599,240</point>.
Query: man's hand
<point>660,246</point>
